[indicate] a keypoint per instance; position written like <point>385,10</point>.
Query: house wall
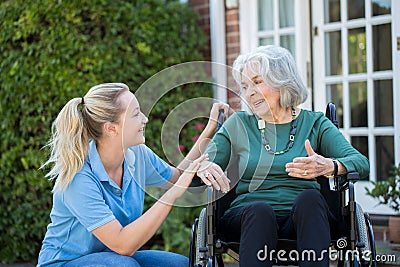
<point>202,7</point>
<point>232,40</point>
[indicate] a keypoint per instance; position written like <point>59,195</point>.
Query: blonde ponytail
<point>75,126</point>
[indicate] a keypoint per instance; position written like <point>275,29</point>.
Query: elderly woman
<point>280,150</point>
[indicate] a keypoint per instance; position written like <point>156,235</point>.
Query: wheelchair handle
<point>221,119</point>
<point>331,113</point>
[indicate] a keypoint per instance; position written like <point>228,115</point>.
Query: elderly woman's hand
<point>212,174</point>
<point>310,167</point>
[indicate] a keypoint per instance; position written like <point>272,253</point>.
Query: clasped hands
<point>212,174</point>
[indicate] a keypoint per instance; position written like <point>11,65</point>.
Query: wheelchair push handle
<point>221,119</point>
<point>331,113</point>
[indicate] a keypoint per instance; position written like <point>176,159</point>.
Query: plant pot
<point>394,229</point>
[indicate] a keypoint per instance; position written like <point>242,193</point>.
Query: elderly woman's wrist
<point>335,169</point>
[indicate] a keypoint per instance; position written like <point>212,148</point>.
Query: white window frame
<point>249,35</point>
<point>320,82</point>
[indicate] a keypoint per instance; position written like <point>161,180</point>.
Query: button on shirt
<point>93,199</point>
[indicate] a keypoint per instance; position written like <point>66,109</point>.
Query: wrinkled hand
<point>212,174</point>
<point>310,167</point>
<point>187,176</point>
<point>213,120</point>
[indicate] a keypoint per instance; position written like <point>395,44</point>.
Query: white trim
<point>396,78</point>
<point>302,45</point>
<point>218,49</point>
<point>319,92</point>
<point>248,25</point>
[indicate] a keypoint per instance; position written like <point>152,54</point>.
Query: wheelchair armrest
<point>342,181</point>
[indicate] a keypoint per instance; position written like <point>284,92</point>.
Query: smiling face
<point>258,94</point>
<point>132,120</point>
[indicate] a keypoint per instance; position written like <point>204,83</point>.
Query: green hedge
<point>52,51</point>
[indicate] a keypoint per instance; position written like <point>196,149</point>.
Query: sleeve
<point>84,199</point>
<point>220,150</point>
<point>157,171</point>
<point>334,145</point>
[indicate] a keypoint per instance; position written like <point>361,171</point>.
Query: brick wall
<point>202,7</point>
<point>232,38</point>
<point>232,51</point>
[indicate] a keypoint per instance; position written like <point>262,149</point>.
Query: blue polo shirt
<point>93,199</point>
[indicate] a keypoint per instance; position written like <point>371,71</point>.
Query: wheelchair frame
<point>348,214</point>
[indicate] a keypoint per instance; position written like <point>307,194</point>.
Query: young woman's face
<point>258,95</point>
<point>132,121</point>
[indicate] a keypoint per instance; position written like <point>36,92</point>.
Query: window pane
<point>333,53</point>
<point>267,41</point>
<point>265,15</point>
<point>357,51</point>
<point>383,96</point>
<point>334,94</point>
<point>287,41</point>
<point>286,13</point>
<point>382,41</point>
<point>384,156</point>
<point>355,9</point>
<point>361,144</point>
<point>358,104</point>
<point>381,7</point>
<point>331,11</point>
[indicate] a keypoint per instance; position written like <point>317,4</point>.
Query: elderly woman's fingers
<point>212,174</point>
<point>221,180</point>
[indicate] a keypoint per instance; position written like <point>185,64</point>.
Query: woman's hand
<point>213,120</point>
<point>310,167</point>
<point>212,174</point>
<point>186,177</point>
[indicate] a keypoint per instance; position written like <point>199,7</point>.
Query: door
<point>354,60</point>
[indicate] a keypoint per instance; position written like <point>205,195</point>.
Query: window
<point>356,73</point>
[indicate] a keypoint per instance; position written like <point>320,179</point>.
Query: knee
<point>310,202</point>
<point>310,198</point>
<point>259,211</point>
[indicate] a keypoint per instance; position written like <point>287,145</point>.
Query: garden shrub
<point>52,51</point>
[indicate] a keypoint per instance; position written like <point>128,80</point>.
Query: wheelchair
<point>352,243</point>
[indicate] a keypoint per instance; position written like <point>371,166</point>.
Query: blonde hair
<point>74,127</point>
<point>278,69</point>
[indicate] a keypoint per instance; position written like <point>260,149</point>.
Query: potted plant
<point>388,193</point>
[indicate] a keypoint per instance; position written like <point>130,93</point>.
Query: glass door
<point>354,55</point>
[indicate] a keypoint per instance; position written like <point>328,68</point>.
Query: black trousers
<point>257,229</point>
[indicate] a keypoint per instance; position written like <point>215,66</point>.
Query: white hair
<point>278,69</point>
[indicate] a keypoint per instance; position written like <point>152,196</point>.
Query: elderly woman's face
<point>259,96</point>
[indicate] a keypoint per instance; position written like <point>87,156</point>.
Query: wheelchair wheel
<point>362,228</point>
<point>364,236</point>
<point>201,240</point>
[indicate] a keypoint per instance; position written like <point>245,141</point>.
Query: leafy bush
<point>56,50</point>
<point>387,192</point>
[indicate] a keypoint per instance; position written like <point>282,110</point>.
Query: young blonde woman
<point>101,166</point>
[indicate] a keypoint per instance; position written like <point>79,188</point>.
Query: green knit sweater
<point>262,176</point>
